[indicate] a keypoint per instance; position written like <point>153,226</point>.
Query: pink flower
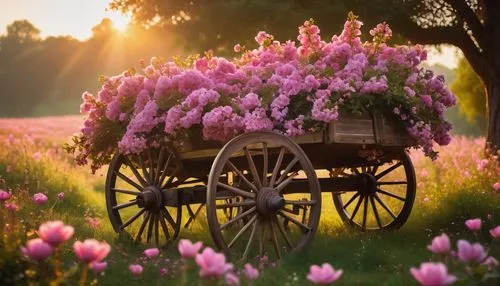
<point>4,195</point>
<point>55,232</point>
<point>91,250</point>
<point>232,279</point>
<point>473,224</point>
<point>440,244</point>
<point>432,274</point>
<point>187,249</point>
<point>163,271</point>
<point>496,186</point>
<point>495,232</point>
<point>323,275</point>
<point>212,264</point>
<point>60,196</point>
<point>98,266</point>
<point>135,269</point>
<point>93,222</point>
<point>151,252</point>
<point>470,252</point>
<point>237,48</point>
<point>37,249</point>
<point>491,262</point>
<point>13,207</point>
<point>40,199</point>
<point>251,273</point>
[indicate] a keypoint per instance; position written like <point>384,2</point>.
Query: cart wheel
<point>267,164</point>
<point>139,197</point>
<point>387,200</point>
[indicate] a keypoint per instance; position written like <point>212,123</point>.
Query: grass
<point>450,191</point>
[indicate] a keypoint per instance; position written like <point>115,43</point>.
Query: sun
<point>120,22</point>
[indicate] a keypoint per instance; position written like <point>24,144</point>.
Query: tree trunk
<point>493,136</point>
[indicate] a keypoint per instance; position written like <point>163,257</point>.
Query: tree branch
<point>465,12</point>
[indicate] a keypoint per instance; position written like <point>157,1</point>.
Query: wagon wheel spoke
<point>238,217</point>
<point>277,167</point>
<point>157,229</point>
<point>169,218</point>
<point>356,208</point>
<point>250,240</point>
<point>351,200</point>
<point>128,180</point>
<point>132,219</point>
<point>265,158</point>
<point>134,170</point>
<point>241,175</point>
<point>287,170</point>
<point>143,226</point>
<point>356,171</point>
<point>274,238</point>
<point>151,166</point>
<point>158,167</point>
<point>164,226</point>
<point>283,233</point>
<point>125,205</point>
<point>392,183</point>
<point>386,207</point>
<point>365,211</point>
<point>300,224</point>
<point>375,211</point>
<point>253,169</point>
<point>236,191</point>
<point>144,168</point>
<point>242,230</point>
<point>171,177</point>
<point>150,227</point>
<point>262,239</point>
<point>391,195</point>
<point>373,171</point>
<point>286,182</point>
<point>128,192</point>
<point>165,168</point>
<point>388,170</point>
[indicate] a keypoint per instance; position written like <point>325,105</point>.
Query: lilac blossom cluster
<point>278,86</point>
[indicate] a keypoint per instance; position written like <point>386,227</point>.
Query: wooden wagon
<point>263,190</point>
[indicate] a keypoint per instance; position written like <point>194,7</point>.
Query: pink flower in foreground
<point>440,244</point>
<point>495,232</point>
<point>496,186</point>
<point>151,252</point>
<point>232,279</point>
<point>55,232</point>
<point>470,252</point>
<point>473,224</point>
<point>91,250</point>
<point>187,249</point>
<point>93,222</point>
<point>237,48</point>
<point>37,249</point>
<point>323,275</point>
<point>60,196</point>
<point>432,274</point>
<point>4,195</point>
<point>251,273</point>
<point>163,271</point>
<point>40,199</point>
<point>135,269</point>
<point>13,207</point>
<point>212,264</point>
<point>98,266</point>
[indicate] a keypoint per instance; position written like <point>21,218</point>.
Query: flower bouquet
<point>286,87</point>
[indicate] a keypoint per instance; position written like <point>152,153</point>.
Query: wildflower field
<point>41,183</point>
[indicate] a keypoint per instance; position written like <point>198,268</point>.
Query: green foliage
<point>470,92</point>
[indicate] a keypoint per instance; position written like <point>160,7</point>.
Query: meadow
<point>458,186</point>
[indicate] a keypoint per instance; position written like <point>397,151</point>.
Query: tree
<point>471,25</point>
<point>470,92</point>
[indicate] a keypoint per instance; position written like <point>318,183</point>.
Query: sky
<point>59,17</point>
<point>77,17</point>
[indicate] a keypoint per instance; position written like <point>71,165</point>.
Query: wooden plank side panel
<point>352,130</point>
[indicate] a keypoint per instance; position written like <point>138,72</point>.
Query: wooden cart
<point>263,190</point>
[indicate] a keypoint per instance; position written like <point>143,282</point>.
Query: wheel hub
<point>269,202</point>
<point>369,182</point>
<point>151,198</point>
